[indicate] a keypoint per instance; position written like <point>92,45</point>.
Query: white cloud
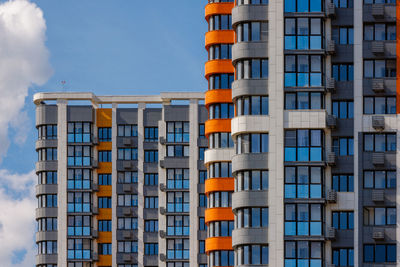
<point>24,60</point>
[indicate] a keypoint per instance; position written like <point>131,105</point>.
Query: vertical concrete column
<point>276,134</point>
<point>114,175</point>
<point>398,190</point>
<point>62,182</point>
<point>140,128</point>
<point>194,178</point>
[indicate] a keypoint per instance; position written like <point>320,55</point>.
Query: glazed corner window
<point>220,199</point>
<point>380,32</point>
<point>379,68</point>
<point>343,182</point>
<point>220,140</point>
<point>380,105</point>
<point>79,132</point>
<point>178,132</point>
<point>220,22</point>
<point>380,179</point>
<point>303,6</point>
<point>79,155</point>
<point>251,2</point>
<point>380,253</point>
<point>303,182</point>
<point>220,228</point>
<point>252,69</point>
<point>303,71</point>
<point>47,154</point>
<point>303,145</point>
<point>303,33</point>
<point>127,130</point>
<point>220,81</point>
<point>221,258</point>
<point>252,180</point>
<point>252,105</point>
<point>343,109</point>
<point>47,201</point>
<point>47,177</point>
<point>220,170</point>
<point>343,35</point>
<point>252,143</point>
<point>252,32</point>
<point>343,72</point>
<point>252,254</point>
<point>343,256</point>
<point>220,51</point>
<point>343,220</point>
<point>221,111</point>
<point>47,132</point>
<point>380,142</point>
<point>343,3</point>
<point>304,100</point>
<point>105,134</point>
<point>303,219</point>
<point>79,178</point>
<point>303,253</point>
<point>343,146</point>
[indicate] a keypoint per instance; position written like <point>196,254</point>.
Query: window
<point>343,256</point>
<point>177,151</point>
<point>303,219</point>
<point>79,178</point>
<point>220,199</point>
<point>379,216</point>
<point>151,226</point>
<point>202,177</point>
<point>252,69</point>
<point>151,202</point>
<point>220,22</point>
<point>178,225</point>
<point>303,145</point>
<point>105,226</point>
<point>380,253</point>
<point>178,201</point>
<point>379,2</point>
<point>127,246</point>
<point>151,179</point>
<point>127,200</point>
<point>380,32</point>
<point>252,143</point>
<point>303,70</point>
<point>178,264</point>
<point>380,142</point>
<point>47,154</point>
<point>343,3</point>
<point>47,224</point>
<point>220,51</point>
<point>303,182</point>
<point>251,2</point>
<point>79,132</point>
<point>105,156</point>
<point>177,249</point>
<point>343,182</point>
<point>151,249</point>
<point>379,179</point>
<point>343,72</point>
<point>178,178</point>
<point>202,130</point>
<point>343,220</point>
<point>150,155</point>
<point>151,134</point>
<point>105,134</point>
<point>220,228</point>
<point>105,179</point>
<point>220,140</point>
<point>304,100</point>
<point>79,225</point>
<point>105,249</point>
<point>252,105</point>
<point>303,6</point>
<point>221,111</point>
<point>202,200</point>
<point>47,177</point>
<point>252,254</point>
<point>202,150</point>
<point>127,177</point>
<point>126,265</point>
<point>303,253</point>
<point>343,109</point>
<point>127,130</point>
<point>79,248</point>
<point>379,68</point>
<point>303,33</point>
<point>220,169</point>
<point>104,202</point>
<point>220,81</point>
<point>202,246</point>
<point>47,132</point>
<point>252,180</point>
<point>127,153</point>
<point>47,247</point>
<point>252,32</point>
<point>47,201</point>
<point>178,132</point>
<point>202,224</point>
<point>220,1</point>
<point>221,258</point>
<point>343,35</point>
<point>79,155</point>
<point>343,146</point>
<point>380,105</point>
<point>127,223</point>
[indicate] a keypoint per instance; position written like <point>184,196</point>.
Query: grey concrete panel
<point>150,145</point>
<point>127,116</point>
<point>244,199</point>
<point>46,259</point>
<point>389,48</point>
<point>80,113</point>
<point>389,84</point>
<point>344,90</point>
<point>150,260</point>
<point>45,143</point>
<point>150,167</point>
<point>202,142</point>
<point>244,13</point>
<point>344,238</point>
<point>390,233</point>
<point>201,211</point>
<point>120,189</point>
<point>344,53</point>
<point>120,258</point>
<point>132,140</point>
<point>344,17</point>
<point>344,127</point>
<point>120,211</point>
<point>202,235</point>
<point>243,236</point>
<point>150,191</point>
<point>46,166</point>
<point>201,166</point>
<point>390,198</point>
<point>176,113</point>
<point>344,165</point>
<point>247,87</point>
<point>200,188</point>
<point>122,234</point>
<point>203,114</point>
<point>46,114</point>
<point>390,161</point>
<point>390,13</point>
<point>150,237</point>
<point>120,165</point>
<point>246,50</point>
<point>171,162</point>
<point>151,116</point>
<point>249,161</point>
<point>150,214</point>
<point>202,258</point>
<point>46,189</point>
<point>48,235</point>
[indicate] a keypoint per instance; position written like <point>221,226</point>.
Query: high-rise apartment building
<point>121,180</point>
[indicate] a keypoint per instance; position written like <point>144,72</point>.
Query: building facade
<point>120,180</point>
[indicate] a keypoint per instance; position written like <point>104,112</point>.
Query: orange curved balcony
<point>218,9</point>
<point>218,243</point>
<point>218,66</point>
<point>217,126</point>
<point>218,96</point>
<point>219,185</point>
<point>219,37</point>
<point>218,214</point>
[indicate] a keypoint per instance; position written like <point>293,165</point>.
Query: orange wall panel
<point>218,8</point>
<point>104,146</point>
<point>104,117</point>
<point>218,96</point>
<point>217,126</point>
<point>218,214</point>
<point>219,184</point>
<point>218,66</point>
<point>104,237</point>
<point>218,243</point>
<point>104,260</point>
<point>104,167</point>
<point>104,191</point>
<point>104,214</point>
<point>219,37</point>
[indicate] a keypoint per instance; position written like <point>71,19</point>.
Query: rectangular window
<point>303,33</point>
<point>303,145</point>
<point>81,202</point>
<point>47,132</point>
<point>151,202</point>
<point>127,130</point>
<point>105,179</point>
<point>379,216</point>
<point>343,3</point>
<point>343,35</point>
<point>202,246</point>
<point>104,202</point>
<point>343,182</point>
<point>303,6</point>
<point>151,156</point>
<point>79,155</point>
<point>151,249</point>
<point>304,100</point>
<point>202,200</point>
<point>380,105</point>
<point>105,249</point>
<point>252,143</point>
<point>178,132</point>
<point>343,146</point>
<point>105,156</point>
<point>105,226</point>
<point>178,201</point>
<point>127,223</point>
<point>303,219</point>
<point>178,225</point>
<point>343,72</point>
<point>303,71</point>
<point>252,180</point>
<point>177,248</point>
<point>79,132</point>
<point>127,200</point>
<point>127,177</point>
<point>380,253</point>
<point>379,142</point>
<point>151,134</point>
<point>202,130</point>
<point>151,226</point>
<point>151,179</point>
<point>127,154</point>
<point>380,179</point>
<point>379,68</point>
<point>105,134</point>
<point>178,178</point>
<point>303,182</point>
<point>47,177</point>
<point>127,246</point>
<point>79,225</point>
<point>343,220</point>
<point>380,32</point>
<point>343,256</point>
<point>79,178</point>
<point>303,253</point>
<point>79,248</point>
<point>202,177</point>
<point>343,109</point>
<point>202,224</point>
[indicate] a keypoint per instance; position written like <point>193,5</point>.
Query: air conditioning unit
<point>330,47</point>
<point>127,211</point>
<point>378,158</point>
<point>162,140</point>
<point>378,85</point>
<point>127,141</point>
<point>378,122</point>
<point>163,258</point>
<point>162,211</point>
<point>95,140</point>
<point>95,210</point>
<point>378,11</point>
<point>95,187</point>
<point>378,234</point>
<point>331,121</point>
<point>378,196</point>
<point>331,233</point>
<point>331,158</point>
<point>330,10</point>
<point>378,47</point>
<point>330,85</point>
<point>127,258</point>
<point>95,164</point>
<point>127,164</point>
<point>163,188</point>
<point>127,235</point>
<point>127,188</point>
<point>162,234</point>
<point>331,196</point>
<point>95,234</point>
